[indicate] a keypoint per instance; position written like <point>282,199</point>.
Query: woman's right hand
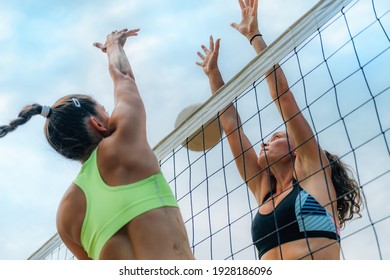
<point>120,36</point>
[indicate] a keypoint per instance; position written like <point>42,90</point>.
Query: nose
<point>263,144</point>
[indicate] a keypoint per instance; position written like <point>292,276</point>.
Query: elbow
<point>230,126</point>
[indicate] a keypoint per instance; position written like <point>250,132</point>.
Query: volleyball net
<point>336,59</point>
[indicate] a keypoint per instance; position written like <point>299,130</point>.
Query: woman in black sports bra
<point>304,193</point>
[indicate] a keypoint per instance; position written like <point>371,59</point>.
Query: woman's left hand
<point>249,23</point>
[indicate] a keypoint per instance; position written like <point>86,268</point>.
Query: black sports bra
<point>297,216</point>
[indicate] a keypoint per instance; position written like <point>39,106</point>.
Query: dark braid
<point>66,127</point>
<point>23,117</point>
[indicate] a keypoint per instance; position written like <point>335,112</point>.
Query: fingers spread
<point>217,44</point>
<point>211,43</point>
<point>242,4</point>
<point>201,55</point>
<point>255,5</point>
<point>205,49</point>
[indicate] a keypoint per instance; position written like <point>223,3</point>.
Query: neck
<point>284,174</point>
<point>87,155</point>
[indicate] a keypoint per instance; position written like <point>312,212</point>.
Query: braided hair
<point>66,128</point>
<point>23,117</point>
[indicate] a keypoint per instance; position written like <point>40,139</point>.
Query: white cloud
<point>7,29</point>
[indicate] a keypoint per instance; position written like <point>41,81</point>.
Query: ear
<point>98,126</point>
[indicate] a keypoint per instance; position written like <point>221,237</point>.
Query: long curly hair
<point>349,199</point>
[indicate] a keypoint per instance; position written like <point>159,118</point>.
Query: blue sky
<point>46,52</point>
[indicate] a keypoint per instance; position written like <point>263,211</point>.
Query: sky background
<point>46,53</point>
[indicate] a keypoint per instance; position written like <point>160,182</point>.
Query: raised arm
<point>297,127</point>
<point>119,66</point>
<point>128,118</point>
<point>243,152</point>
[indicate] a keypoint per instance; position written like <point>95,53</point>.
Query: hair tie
<point>45,111</point>
<point>254,36</point>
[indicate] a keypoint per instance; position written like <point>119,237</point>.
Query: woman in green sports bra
<point>119,206</point>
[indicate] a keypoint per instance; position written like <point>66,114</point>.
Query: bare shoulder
<point>71,213</point>
<point>313,169</point>
<point>317,181</point>
<point>124,164</point>
<point>118,149</point>
<point>70,217</point>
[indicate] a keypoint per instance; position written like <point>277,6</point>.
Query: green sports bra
<point>108,209</point>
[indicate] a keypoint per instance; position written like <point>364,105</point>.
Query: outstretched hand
<point>120,36</point>
<point>249,24</point>
<point>210,57</point>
